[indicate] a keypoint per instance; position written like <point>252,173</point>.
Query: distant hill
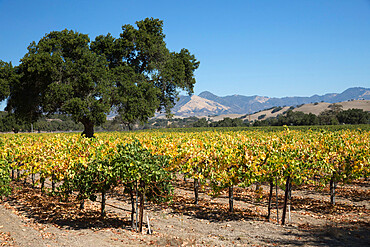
<point>199,106</point>
<point>207,103</point>
<point>315,108</point>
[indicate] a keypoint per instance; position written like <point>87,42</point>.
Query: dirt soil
<point>29,218</point>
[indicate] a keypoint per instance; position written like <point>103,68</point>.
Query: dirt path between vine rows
<point>28,218</point>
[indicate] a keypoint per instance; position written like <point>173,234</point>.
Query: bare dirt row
<point>29,218</point>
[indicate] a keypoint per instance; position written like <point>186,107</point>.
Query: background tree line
<point>328,117</point>
<point>56,122</point>
<point>335,115</point>
<point>62,122</point>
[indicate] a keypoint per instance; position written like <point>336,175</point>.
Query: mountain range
<point>207,103</point>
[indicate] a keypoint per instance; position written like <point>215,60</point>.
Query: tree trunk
<point>42,179</point>
<point>270,199</point>
<point>231,199</point>
<point>102,214</point>
<point>88,128</point>
<point>33,179</point>
<point>137,208</point>
<point>132,208</point>
<point>52,183</point>
<point>67,191</point>
<point>277,201</point>
<point>196,187</point>
<point>141,211</point>
<point>287,187</point>
<point>333,186</point>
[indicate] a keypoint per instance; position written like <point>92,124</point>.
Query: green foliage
<point>137,99</point>
<point>201,123</point>
<point>138,166</point>
<point>57,122</point>
<point>228,122</point>
<point>333,116</point>
<point>93,178</point>
<point>328,117</point>
<point>354,116</point>
<point>9,123</point>
<point>4,178</point>
<point>276,109</point>
<point>147,74</point>
<point>132,164</point>
<point>61,74</point>
<point>7,76</point>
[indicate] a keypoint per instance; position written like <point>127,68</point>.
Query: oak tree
<point>134,75</point>
<point>6,76</point>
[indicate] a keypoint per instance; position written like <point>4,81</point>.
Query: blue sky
<point>268,48</point>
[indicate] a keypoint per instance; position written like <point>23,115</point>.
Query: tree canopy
<point>6,75</point>
<point>133,75</point>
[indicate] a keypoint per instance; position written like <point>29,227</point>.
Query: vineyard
<point>148,167</point>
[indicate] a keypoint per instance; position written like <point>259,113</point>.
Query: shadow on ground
<point>355,235</point>
<point>46,208</point>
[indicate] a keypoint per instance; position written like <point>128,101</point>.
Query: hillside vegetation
<point>350,112</point>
